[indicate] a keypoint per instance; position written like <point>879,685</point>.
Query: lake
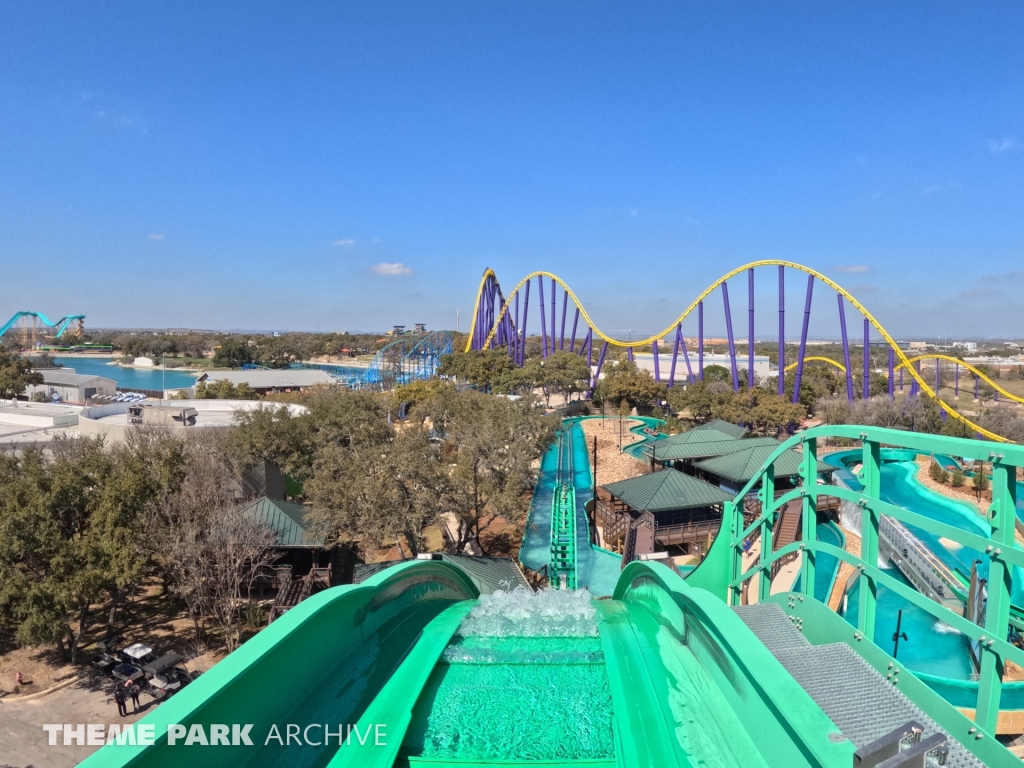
<point>128,378</point>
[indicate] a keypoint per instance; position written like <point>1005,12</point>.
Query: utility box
<point>151,414</point>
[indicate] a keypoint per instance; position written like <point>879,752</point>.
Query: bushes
<point>957,480</point>
<point>937,473</point>
<point>980,479</point>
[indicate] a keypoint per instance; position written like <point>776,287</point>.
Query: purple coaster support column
<point>732,341</point>
<point>803,339</point>
<point>675,356</point>
<point>500,335</point>
<point>543,322</point>
<point>572,341</point>
<point>846,349</point>
<point>600,362</point>
<point>590,346</point>
<point>976,380</point>
<point>657,368</point>
<point>892,373</point>
<point>700,340</point>
<point>515,329</point>
<point>956,384</point>
<point>686,356</point>
<point>782,330</point>
<point>565,306</point>
<point>867,359</point>
<point>629,354</point>
<point>553,286</point>
<point>901,379</point>
<point>526,310</point>
<point>750,328</point>
<point>937,379</point>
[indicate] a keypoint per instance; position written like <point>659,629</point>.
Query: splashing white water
<point>943,628</point>
<point>522,613</point>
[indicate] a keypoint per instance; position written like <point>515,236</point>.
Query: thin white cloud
<point>999,146</point>
<point>391,269</point>
<point>853,269</point>
<point>156,236</point>
<point>347,243</point>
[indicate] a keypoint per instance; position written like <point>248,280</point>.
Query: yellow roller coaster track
<point>816,359</point>
<point>904,361</point>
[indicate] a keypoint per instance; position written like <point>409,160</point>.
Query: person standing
<point>133,691</point>
<point>122,710</point>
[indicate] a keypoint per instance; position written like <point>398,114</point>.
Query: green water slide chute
<point>325,661</point>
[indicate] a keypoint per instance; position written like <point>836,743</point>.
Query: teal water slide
<point>662,674</point>
<point>686,681</point>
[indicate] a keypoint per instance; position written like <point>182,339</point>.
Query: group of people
<point>121,695</point>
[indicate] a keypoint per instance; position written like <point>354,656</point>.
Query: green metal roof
<point>665,490</point>
<point>704,444</point>
<point>288,521</point>
<point>733,430</point>
<point>488,574</point>
<point>740,466</point>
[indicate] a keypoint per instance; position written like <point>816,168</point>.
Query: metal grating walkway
<point>862,703</point>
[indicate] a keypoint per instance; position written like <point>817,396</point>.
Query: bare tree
<point>214,552</point>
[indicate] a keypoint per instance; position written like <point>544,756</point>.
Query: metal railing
<point>998,547</point>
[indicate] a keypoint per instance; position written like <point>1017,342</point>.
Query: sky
<point>350,166</point>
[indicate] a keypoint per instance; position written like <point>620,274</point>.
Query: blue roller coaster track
<point>404,360</point>
<point>70,324</point>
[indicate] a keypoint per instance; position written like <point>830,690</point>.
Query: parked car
<point>110,645</point>
<point>137,654</point>
<point>104,662</point>
<point>126,672</point>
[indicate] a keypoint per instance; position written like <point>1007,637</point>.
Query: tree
<point>222,389</point>
<point>16,374</point>
<point>979,480</point>
<point>70,535</point>
<point>480,368</point>
<point>233,352</point>
<point>562,372</point>
<point>378,493</point>
<point>625,382</point>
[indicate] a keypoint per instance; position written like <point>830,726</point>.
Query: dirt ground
<point>612,464</point>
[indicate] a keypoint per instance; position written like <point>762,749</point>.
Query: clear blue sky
<point>250,164</point>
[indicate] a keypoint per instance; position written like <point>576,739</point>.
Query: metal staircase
<point>864,705</point>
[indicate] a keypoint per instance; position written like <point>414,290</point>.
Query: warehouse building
<point>60,384</point>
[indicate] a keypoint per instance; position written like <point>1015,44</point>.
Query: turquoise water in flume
<point>524,678</point>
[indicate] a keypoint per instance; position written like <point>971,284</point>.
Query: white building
<point>645,361</point>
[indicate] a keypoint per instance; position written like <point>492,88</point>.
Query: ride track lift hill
<point>564,566</point>
<point>500,320</point>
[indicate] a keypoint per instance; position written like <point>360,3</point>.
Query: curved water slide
<point>61,326</point>
<point>500,320</point>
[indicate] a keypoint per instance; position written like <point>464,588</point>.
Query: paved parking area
<point>23,742</point>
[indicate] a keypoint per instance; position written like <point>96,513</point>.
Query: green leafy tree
<point>16,374</point>
<point>222,389</point>
<point>624,382</point>
<point>233,352</point>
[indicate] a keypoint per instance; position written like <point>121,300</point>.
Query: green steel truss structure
<point>722,573</point>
